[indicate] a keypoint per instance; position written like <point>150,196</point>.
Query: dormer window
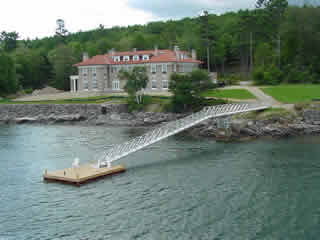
<point>126,58</point>
<point>145,57</point>
<point>136,58</point>
<point>116,58</point>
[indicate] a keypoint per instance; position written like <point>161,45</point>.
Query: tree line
<point>272,43</point>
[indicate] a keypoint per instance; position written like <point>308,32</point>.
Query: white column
<point>74,85</point>
<point>71,84</point>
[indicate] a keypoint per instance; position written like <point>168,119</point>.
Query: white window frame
<point>174,67</point>
<point>164,68</point>
<point>136,58</point>
<point>154,84</point>
<point>126,58</point>
<point>145,57</point>
<point>116,58</point>
<point>153,68</point>
<point>115,85</point>
<point>167,84</point>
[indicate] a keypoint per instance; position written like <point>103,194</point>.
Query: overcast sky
<point>37,18</point>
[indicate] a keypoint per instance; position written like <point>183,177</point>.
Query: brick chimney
<point>85,56</point>
<point>194,54</point>
<point>156,50</point>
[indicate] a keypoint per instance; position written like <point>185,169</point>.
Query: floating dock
<point>81,174</point>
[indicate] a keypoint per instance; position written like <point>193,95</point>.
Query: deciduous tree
<point>137,80</point>
<point>8,80</point>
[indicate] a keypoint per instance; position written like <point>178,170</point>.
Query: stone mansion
<point>100,73</point>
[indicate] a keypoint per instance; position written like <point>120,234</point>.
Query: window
<point>94,78</point>
<point>154,84</point>
<point>188,67</point>
<point>145,57</point>
<point>165,84</point>
<point>153,68</point>
<point>181,67</point>
<point>115,85</point>
<point>125,68</point>
<point>94,71</point>
<point>175,67</point>
<point>136,58</point>
<point>94,83</point>
<point>114,69</point>
<point>85,71</point>
<point>164,68</point>
<point>85,83</point>
<point>116,58</point>
<point>126,58</point>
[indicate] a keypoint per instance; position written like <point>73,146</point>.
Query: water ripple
<point>176,189</point>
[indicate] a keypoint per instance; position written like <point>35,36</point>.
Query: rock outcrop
<point>307,122</point>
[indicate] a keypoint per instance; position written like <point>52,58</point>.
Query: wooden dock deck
<point>82,174</point>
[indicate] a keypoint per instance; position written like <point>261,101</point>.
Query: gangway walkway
<point>121,150</point>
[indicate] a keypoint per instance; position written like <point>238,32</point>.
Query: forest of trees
<point>273,43</point>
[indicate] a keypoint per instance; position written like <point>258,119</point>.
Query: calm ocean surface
<point>180,188</point>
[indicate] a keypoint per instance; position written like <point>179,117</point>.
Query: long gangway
<point>121,150</point>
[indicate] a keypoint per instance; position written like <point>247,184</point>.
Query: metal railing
<point>121,150</point>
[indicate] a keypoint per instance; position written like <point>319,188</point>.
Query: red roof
<point>162,56</point>
<point>96,60</point>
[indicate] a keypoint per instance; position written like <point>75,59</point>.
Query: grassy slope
<point>293,93</point>
<point>93,100</point>
<point>242,94</point>
<point>90,100</point>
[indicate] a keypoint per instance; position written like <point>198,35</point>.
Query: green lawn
<point>90,100</point>
<point>93,100</point>
<point>241,94</point>
<point>293,93</point>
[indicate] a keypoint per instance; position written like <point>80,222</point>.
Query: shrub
<point>28,90</point>
<point>134,106</point>
<point>258,76</point>
<point>269,75</point>
<point>231,79</point>
<point>296,74</point>
<point>301,106</point>
<point>187,89</point>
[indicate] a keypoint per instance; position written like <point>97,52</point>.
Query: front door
<point>116,85</point>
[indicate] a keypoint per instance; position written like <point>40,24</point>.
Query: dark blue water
<point>177,189</point>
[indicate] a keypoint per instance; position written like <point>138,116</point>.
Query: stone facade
<point>100,73</point>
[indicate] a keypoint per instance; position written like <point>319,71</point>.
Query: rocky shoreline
<point>305,122</point>
<point>89,114</point>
